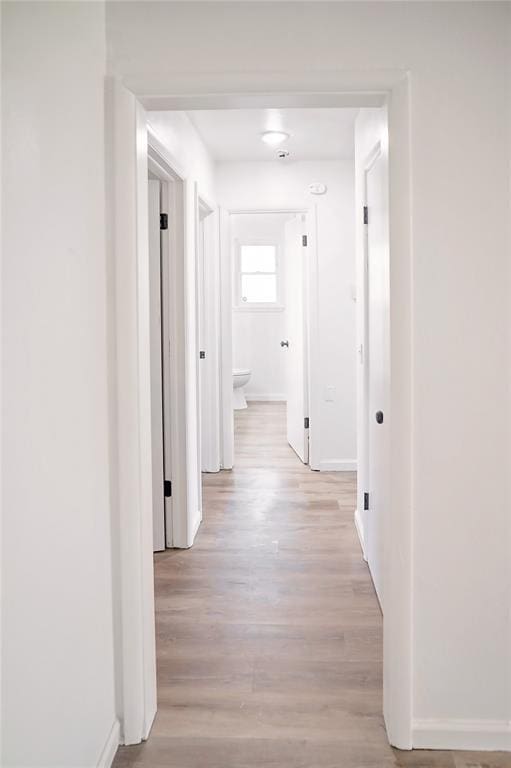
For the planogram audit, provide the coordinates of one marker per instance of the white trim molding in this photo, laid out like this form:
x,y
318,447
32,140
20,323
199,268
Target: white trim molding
x,y
265,398
259,308
337,465
112,742
176,195
194,527
135,647
360,532
484,735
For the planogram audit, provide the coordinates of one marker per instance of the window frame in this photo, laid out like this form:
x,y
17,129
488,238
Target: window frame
x,y
261,306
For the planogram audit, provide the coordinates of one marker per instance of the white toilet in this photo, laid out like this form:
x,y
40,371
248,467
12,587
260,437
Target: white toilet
x,y
240,377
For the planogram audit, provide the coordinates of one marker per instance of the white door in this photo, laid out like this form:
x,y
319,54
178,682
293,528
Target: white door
x,y
202,352
156,367
295,343
378,366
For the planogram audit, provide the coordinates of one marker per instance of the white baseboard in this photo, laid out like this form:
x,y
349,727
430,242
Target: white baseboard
x,y
337,465
484,735
194,528
108,753
360,531
265,398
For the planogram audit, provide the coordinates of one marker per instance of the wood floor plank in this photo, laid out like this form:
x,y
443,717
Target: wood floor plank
x,y
269,633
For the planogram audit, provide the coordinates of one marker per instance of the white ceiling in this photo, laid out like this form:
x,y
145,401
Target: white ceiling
x,y
315,133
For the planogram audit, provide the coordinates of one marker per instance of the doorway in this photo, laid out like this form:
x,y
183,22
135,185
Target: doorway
x,y
375,217
167,339
297,335
271,252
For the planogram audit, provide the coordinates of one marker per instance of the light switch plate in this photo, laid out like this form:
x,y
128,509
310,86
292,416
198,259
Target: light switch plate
x,y
329,394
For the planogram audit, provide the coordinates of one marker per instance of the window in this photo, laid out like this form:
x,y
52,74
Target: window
x,y
257,276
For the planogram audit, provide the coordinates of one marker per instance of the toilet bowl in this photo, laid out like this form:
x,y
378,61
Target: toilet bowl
x,y
240,377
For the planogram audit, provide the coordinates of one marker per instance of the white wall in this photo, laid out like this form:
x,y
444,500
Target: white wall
x,y
186,148
457,59
257,333
456,56
57,653
285,186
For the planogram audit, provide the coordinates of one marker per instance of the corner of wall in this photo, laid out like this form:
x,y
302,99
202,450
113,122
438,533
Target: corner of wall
x,y
111,744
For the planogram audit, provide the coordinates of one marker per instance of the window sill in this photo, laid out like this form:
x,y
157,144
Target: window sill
x,y
259,308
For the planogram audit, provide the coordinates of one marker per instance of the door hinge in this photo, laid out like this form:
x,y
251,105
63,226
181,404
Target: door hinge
x,y
366,215
304,241
366,502
306,423
167,488
202,354
164,221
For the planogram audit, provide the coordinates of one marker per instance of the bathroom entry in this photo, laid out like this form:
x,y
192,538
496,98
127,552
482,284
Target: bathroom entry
x,y
270,316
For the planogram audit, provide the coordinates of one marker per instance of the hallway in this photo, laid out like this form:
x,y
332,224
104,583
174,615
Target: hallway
x,y
268,630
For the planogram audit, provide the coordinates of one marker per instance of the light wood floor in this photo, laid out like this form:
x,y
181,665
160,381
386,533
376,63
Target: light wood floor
x,y
269,634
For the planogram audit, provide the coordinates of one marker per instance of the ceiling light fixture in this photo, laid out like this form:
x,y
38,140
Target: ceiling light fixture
x,y
274,137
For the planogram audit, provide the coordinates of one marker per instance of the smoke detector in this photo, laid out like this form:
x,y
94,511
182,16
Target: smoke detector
x,y
317,188
282,154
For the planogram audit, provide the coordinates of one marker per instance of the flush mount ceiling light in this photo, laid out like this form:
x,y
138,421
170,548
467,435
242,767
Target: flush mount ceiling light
x,y
274,137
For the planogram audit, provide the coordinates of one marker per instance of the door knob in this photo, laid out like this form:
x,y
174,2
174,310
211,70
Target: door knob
x,y
284,343
379,417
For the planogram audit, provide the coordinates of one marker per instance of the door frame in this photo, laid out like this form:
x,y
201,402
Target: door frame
x,y
172,201
311,354
133,587
131,151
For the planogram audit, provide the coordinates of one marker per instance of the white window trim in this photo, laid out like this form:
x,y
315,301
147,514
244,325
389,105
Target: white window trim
x,y
238,304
